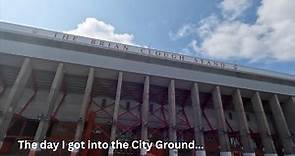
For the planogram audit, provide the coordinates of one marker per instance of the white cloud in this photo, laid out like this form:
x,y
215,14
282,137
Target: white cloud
x,y
94,28
231,9
207,25
271,37
230,40
185,30
192,45
273,12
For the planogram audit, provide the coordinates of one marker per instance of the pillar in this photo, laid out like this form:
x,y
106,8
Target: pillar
x,y
84,106
222,131
263,127
14,96
116,111
248,149
172,117
289,111
282,127
50,104
144,113
197,119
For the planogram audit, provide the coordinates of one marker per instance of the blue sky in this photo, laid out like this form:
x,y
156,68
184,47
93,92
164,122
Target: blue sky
x,y
247,32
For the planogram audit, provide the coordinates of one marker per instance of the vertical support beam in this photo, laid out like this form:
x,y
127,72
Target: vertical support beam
x,y
84,106
116,110
222,132
197,119
14,96
2,85
289,110
172,116
282,126
262,124
52,97
144,113
248,148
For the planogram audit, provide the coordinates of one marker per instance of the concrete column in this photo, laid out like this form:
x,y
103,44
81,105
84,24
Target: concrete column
x,y
116,111
14,96
84,106
172,116
144,113
197,119
50,104
282,127
289,111
248,148
222,131
263,126
2,85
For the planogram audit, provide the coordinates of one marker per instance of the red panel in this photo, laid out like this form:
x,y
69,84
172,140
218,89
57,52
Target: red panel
x,y
6,147
156,152
96,153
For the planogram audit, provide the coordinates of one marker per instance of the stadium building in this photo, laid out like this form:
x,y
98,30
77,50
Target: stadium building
x,y
57,86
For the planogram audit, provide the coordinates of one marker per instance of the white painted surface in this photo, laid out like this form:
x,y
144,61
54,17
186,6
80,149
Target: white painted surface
x,y
225,154
248,154
201,153
143,152
173,152
111,151
270,154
